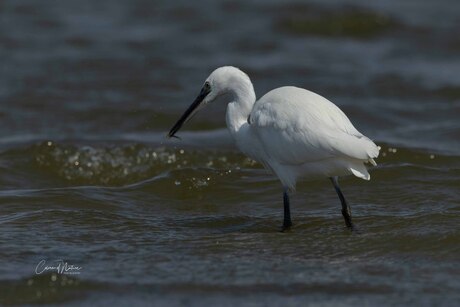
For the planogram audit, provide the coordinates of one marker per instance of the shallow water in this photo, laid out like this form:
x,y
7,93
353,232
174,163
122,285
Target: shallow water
x,y
89,89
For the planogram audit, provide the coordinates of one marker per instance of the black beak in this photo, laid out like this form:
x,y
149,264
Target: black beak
x,y
189,112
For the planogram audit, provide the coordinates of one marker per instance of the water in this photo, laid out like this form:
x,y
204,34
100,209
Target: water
x,y
89,89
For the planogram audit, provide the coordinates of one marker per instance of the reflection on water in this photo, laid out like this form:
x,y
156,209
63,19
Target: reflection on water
x,y
90,89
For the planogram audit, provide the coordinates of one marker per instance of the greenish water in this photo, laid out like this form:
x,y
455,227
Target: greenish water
x,y
89,90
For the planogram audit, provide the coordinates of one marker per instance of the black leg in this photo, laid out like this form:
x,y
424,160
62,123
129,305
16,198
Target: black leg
x,y
346,210
287,223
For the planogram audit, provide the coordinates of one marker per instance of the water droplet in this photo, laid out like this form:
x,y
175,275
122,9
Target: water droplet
x,y
53,277
49,143
177,182
181,151
431,157
76,163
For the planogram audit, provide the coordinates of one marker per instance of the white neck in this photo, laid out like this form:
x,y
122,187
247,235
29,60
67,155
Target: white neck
x,y
243,98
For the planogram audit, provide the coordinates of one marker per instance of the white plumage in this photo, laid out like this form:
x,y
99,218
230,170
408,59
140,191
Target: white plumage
x,y
305,135
293,132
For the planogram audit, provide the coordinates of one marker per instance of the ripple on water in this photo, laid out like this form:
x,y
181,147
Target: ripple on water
x,y
351,22
121,165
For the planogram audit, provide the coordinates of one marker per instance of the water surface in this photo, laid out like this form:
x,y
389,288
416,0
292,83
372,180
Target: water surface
x,y
89,89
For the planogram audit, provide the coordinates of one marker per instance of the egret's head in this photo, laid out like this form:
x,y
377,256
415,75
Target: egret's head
x,y
221,82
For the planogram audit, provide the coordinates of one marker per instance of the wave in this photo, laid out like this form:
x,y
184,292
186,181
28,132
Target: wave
x,y
133,164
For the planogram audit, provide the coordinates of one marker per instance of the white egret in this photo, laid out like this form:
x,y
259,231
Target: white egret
x,y
291,131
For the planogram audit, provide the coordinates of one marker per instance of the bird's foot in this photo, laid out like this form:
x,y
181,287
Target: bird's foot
x,y
347,217
286,227
353,229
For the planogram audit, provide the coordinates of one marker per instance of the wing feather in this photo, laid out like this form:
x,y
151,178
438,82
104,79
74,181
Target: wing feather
x,y
296,126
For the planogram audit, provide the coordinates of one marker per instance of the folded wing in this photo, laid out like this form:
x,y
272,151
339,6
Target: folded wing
x,y
296,126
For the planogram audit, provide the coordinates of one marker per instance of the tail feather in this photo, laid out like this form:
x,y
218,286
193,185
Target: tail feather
x,y
359,170
372,150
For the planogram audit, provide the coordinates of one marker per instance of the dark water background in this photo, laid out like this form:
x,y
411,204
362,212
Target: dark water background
x,y
88,90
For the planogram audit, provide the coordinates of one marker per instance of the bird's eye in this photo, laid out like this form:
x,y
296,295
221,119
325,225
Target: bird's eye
x,y
207,86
